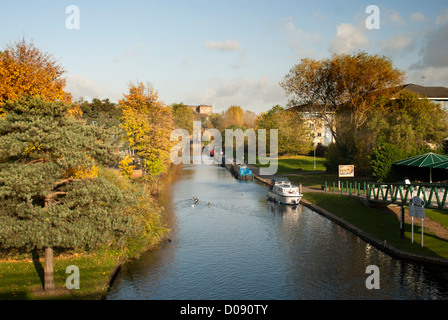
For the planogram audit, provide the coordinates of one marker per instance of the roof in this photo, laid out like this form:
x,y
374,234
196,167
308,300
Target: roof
x,y
429,92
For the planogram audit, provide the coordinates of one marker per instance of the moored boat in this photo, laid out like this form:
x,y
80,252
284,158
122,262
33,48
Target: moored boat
x,y
281,190
242,172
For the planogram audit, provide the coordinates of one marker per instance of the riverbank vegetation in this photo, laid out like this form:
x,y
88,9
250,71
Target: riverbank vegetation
x,y
373,122
79,181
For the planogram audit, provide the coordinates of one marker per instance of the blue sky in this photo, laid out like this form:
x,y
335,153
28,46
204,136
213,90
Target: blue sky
x,y
223,52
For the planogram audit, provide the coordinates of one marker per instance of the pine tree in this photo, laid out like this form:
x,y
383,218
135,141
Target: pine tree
x,y
51,194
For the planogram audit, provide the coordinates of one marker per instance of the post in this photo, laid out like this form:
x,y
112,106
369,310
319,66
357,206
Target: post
x,y
402,223
422,232
334,186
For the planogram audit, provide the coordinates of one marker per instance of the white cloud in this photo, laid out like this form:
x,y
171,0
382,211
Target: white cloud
x,y
296,40
228,45
394,17
82,87
254,95
398,43
418,17
443,18
349,38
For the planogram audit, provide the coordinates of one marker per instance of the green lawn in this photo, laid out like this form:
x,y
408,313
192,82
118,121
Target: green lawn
x,y
292,164
383,226
23,279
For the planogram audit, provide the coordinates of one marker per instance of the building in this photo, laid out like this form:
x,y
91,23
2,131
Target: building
x,y
202,109
319,128
436,94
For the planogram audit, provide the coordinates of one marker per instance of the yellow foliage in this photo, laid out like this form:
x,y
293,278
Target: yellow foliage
x,y
75,112
25,70
33,148
126,169
148,123
82,172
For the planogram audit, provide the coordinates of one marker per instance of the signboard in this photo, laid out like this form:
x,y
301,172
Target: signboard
x,y
346,171
416,208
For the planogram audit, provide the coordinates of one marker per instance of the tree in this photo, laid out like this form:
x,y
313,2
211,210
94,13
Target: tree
x,y
102,113
148,124
183,117
401,128
234,115
293,132
217,121
51,192
25,70
342,89
409,122
249,119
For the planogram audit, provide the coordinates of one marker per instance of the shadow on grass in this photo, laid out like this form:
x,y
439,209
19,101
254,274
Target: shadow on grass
x,y
381,223
38,266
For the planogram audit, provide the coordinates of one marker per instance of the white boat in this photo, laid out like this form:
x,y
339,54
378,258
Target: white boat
x,y
281,190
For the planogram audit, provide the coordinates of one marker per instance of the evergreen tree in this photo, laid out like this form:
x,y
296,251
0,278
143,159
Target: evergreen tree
x,y
51,194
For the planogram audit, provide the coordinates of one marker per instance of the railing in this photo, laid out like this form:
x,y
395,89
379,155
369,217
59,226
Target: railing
x,y
352,188
434,195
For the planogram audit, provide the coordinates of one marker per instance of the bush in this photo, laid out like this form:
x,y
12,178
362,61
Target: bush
x,y
383,156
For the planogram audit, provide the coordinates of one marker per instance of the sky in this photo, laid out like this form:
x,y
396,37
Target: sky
x,y
225,52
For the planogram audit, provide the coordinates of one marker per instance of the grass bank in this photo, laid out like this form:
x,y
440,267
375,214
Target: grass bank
x,y
22,275
22,279
384,225
297,164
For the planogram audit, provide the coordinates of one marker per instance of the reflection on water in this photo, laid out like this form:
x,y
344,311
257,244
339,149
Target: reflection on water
x,y
234,244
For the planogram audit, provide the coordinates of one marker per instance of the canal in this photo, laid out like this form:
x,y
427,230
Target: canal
x,y
234,244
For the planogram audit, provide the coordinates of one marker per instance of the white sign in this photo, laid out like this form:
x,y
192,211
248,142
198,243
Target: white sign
x,y
416,208
346,171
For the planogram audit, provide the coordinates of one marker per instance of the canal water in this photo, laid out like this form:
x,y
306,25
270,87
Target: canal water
x,y
243,247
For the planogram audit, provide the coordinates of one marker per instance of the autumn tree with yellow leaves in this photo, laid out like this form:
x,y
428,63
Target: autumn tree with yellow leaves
x,y
148,123
27,71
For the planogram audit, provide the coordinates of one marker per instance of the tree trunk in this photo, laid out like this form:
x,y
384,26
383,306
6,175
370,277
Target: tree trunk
x,y
48,271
